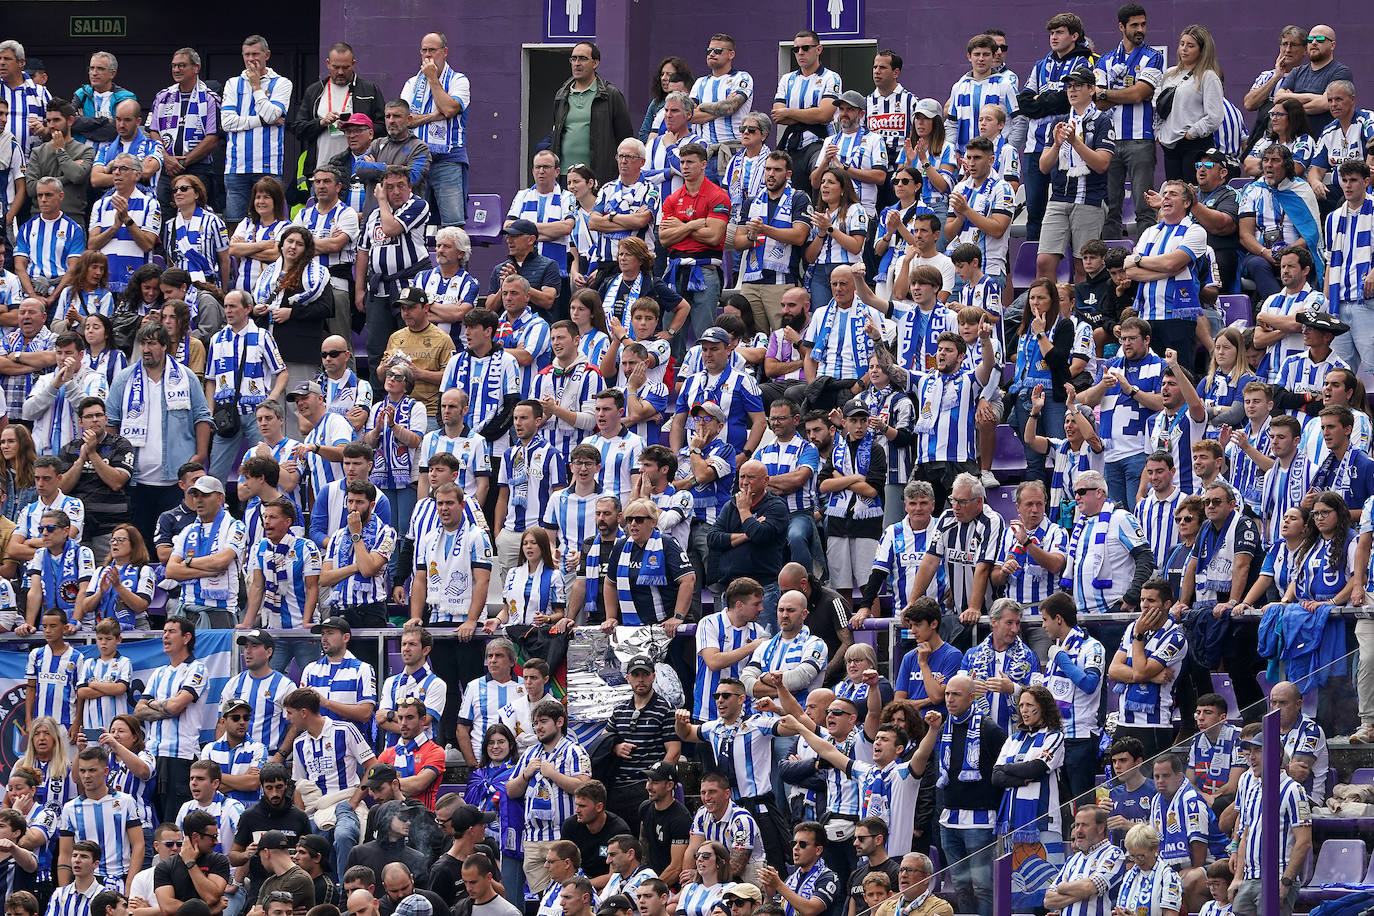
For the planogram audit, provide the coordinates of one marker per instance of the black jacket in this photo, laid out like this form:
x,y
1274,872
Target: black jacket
x,y
760,557
610,124
981,795
305,124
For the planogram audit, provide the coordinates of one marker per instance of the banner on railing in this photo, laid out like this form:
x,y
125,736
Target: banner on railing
x,y
213,647
1034,868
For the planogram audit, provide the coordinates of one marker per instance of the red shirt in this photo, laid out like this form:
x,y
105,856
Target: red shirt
x,y
711,202
427,755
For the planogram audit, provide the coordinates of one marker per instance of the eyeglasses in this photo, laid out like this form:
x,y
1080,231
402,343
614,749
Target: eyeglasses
x,y
1318,39
726,696
238,717
962,501
47,529
1322,513
711,52
627,157
1214,501
801,49
122,168
584,463
397,376
178,66
331,354
579,58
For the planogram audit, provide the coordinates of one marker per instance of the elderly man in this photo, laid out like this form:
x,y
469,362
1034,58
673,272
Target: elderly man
x,y
26,353
626,206
1088,880
967,542
1292,52
1109,556
1001,665
524,260
1342,140
185,116
1301,734
126,222
1308,83
749,536
325,106
63,157
391,252
26,97
129,138
48,245
1165,267
1187,828
913,897
550,207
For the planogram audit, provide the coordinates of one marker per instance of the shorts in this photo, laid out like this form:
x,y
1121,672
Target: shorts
x,y
851,561
1065,222
1247,902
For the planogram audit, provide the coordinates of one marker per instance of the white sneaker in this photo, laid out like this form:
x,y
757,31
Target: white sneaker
x,y
1363,735
990,480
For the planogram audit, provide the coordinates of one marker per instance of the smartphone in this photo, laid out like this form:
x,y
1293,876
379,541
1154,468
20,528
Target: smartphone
x,y
93,734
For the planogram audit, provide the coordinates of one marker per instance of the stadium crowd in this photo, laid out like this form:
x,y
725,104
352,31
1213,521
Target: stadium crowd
x,y
606,432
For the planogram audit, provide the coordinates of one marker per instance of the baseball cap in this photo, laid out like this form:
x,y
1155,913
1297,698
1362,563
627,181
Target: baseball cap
x,y
413,295
414,905
379,774
614,904
35,65
275,839
1255,740
465,817
927,108
304,388
853,99
1217,156
233,703
714,334
1082,75
640,662
742,890
663,771
333,623
854,407
207,484
279,897
711,409
358,119
261,637
521,227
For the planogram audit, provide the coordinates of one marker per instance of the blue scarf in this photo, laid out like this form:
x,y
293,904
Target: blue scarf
x,y
973,748
652,571
617,311
768,253
1019,818
1294,196
61,584
840,459
696,280
1103,526
110,605
176,390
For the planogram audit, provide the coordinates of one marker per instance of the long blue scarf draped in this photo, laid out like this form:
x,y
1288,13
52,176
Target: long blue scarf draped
x,y
60,576
973,748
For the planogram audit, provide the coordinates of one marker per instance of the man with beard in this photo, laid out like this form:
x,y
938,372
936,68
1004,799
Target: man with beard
x,y
588,589
783,361
274,811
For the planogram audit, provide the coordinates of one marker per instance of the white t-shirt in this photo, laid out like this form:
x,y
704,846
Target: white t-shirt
x,y
148,469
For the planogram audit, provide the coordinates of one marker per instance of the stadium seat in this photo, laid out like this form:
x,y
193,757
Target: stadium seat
x,y
1221,684
1127,205
1369,874
1023,268
1235,308
1008,459
1239,183
1002,500
484,218
1339,861
1362,777
1128,244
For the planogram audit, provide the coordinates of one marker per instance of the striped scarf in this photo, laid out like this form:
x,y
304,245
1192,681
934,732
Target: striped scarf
x,y
768,253
652,571
862,506
616,310
1098,547
973,748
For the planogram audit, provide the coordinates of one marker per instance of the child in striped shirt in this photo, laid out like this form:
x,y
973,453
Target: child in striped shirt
x,y
103,690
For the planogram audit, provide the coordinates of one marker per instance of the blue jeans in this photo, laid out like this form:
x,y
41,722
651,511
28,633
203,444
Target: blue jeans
x,y
1037,185
1123,480
347,832
224,452
1051,423
448,185
969,857
769,617
513,878
304,651
236,900
705,304
1357,347
402,505
1080,765
1262,272
238,193
819,287
801,534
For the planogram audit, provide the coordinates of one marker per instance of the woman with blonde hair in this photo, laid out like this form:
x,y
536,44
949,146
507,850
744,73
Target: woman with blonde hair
x,y
1227,376
46,755
1150,888
1189,104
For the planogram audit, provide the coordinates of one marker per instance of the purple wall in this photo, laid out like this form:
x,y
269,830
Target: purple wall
x,y
486,38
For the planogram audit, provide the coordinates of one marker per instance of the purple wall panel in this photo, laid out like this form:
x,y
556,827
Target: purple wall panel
x,y
486,37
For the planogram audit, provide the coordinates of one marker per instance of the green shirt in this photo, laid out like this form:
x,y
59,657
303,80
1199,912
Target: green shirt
x,y
577,129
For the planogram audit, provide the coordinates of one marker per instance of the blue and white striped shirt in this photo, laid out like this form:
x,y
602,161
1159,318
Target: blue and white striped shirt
x,y
1294,811
889,116
332,760
422,684
481,706
261,359
446,137
946,405
225,810
548,805
968,97
1103,865
1348,250
899,554
123,252
255,123
247,270
194,244
340,552
736,392
747,745
68,900
486,380
1123,419
1282,303
267,696
540,208
796,90
1168,646
1151,891
236,760
1156,517
839,345
1176,296
26,100
528,332
203,539
122,779
1033,583
711,88
530,473
624,200
1257,201
178,736
786,457
55,679
1338,145
619,462
339,218
1048,74
718,632
347,681
449,559
100,711
389,256
1122,69
49,244
573,517
575,389
1300,374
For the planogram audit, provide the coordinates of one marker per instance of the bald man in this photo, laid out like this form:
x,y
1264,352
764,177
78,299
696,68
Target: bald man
x,y
1301,735
362,903
749,538
1308,83
827,615
344,392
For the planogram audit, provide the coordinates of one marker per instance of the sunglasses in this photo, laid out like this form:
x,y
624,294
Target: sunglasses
x,y
331,354
1184,518
1001,48
637,518
238,717
1318,39
47,529
1205,163
171,844
726,696
750,130
183,187
1079,491
802,844
903,181
801,49
397,376
1214,501
711,52
840,711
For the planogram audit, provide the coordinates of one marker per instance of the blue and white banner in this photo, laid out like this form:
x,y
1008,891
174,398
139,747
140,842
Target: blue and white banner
x,y
215,648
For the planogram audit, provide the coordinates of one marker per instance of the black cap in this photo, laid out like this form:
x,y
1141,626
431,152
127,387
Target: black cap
x,y
1082,76
35,65
662,772
336,622
261,637
1319,320
614,904
521,227
465,817
379,775
640,662
1218,156
855,407
275,839
413,295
